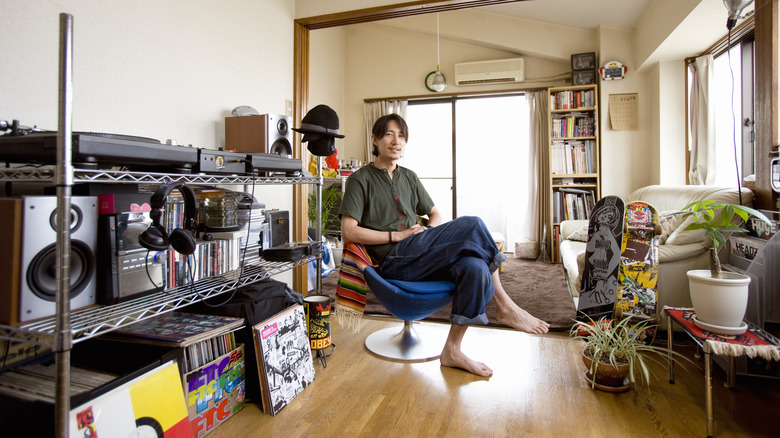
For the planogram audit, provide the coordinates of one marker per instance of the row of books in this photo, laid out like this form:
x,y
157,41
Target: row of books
x,y
556,246
570,157
211,258
572,99
574,125
570,204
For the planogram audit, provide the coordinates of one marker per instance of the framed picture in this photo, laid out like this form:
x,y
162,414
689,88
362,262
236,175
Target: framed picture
x,y
583,61
583,77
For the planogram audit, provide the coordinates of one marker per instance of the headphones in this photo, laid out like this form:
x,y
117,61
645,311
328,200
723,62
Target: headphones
x,y
182,239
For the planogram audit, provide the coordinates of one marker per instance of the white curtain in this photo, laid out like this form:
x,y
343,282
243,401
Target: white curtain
x,y
702,145
539,103
377,109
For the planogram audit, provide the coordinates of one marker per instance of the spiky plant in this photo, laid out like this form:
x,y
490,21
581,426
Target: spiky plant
x,y
617,343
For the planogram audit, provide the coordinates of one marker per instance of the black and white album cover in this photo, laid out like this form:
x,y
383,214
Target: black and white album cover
x,y
284,359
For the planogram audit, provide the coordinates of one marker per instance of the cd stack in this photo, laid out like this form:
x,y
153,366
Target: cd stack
x,y
218,210
251,216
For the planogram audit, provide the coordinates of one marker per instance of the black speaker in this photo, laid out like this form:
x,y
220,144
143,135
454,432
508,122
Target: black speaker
x,y
182,239
278,135
28,235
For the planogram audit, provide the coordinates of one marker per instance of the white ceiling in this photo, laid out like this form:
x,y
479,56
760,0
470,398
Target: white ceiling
x,y
587,14
697,31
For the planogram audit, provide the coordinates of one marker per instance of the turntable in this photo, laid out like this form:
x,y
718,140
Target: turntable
x,y
99,150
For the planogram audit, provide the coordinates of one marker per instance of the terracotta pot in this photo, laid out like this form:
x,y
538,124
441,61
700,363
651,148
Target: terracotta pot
x,y
606,374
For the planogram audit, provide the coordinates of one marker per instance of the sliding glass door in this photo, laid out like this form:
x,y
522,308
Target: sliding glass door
x,y
473,156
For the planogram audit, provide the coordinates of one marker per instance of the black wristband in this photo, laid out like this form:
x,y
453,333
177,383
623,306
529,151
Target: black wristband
x,y
390,236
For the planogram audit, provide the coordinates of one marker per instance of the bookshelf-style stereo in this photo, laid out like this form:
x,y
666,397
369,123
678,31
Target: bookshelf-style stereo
x,y
28,259
126,270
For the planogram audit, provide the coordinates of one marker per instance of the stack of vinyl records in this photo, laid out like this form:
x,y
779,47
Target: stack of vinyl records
x,y
38,382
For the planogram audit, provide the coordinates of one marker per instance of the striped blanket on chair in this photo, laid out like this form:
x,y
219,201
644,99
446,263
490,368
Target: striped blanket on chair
x,y
351,287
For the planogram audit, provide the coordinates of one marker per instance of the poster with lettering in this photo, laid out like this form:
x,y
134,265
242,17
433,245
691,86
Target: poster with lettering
x,y
215,391
284,360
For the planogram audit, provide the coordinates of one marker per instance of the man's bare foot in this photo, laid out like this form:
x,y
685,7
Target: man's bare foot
x,y
456,359
517,318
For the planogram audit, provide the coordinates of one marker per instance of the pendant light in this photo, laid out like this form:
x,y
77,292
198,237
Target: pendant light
x,y
735,8
435,80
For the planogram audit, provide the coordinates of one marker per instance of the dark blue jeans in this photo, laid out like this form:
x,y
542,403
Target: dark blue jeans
x,y
462,251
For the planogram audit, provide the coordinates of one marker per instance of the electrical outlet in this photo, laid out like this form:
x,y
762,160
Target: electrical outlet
x,y
288,107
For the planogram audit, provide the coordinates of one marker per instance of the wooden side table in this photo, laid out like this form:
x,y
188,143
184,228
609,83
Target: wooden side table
x,y
754,342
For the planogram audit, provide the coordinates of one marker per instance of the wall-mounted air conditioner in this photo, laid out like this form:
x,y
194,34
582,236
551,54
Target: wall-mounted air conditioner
x,y
490,72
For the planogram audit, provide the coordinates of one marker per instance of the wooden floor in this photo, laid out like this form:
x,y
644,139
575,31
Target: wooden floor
x,y
537,389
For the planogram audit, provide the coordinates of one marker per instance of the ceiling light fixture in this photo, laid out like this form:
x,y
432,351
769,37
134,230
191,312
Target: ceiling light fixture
x,y
735,8
435,80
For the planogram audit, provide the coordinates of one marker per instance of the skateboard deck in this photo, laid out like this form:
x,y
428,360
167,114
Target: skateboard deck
x,y
602,260
637,296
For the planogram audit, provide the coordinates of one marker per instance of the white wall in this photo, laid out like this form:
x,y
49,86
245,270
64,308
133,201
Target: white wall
x,y
671,130
386,60
327,82
163,69
171,69
653,154
627,158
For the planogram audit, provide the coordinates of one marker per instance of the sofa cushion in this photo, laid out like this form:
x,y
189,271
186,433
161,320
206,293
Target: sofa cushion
x,y
674,198
669,222
572,225
570,249
673,253
682,237
580,234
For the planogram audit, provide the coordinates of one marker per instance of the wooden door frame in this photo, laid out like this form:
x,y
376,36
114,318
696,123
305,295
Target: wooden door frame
x,y
302,29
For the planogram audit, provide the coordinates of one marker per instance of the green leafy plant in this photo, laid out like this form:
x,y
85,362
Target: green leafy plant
x,y
331,199
615,343
717,218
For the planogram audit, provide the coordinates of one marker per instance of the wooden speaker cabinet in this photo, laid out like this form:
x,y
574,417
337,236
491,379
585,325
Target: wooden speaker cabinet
x,y
268,133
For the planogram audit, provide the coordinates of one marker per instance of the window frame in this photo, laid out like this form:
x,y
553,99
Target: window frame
x,y
743,35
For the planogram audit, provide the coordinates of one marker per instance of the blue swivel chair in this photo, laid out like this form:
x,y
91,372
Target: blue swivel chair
x,y
409,301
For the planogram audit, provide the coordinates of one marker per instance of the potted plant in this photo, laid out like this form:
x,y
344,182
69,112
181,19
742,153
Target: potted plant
x,y
331,198
613,354
719,298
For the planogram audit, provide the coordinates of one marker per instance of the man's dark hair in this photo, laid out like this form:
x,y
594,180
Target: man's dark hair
x,y
380,128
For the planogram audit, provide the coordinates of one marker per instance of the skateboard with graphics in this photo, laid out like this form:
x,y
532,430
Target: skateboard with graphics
x,y
602,260
637,296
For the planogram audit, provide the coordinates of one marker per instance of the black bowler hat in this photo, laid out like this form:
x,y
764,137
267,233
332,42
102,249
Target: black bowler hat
x,y
320,120
319,127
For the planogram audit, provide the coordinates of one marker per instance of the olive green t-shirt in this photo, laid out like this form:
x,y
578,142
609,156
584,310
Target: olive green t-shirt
x,y
381,203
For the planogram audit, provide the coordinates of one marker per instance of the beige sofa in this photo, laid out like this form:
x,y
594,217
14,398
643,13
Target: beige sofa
x,y
679,251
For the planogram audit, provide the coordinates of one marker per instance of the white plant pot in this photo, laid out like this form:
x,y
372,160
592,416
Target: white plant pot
x,y
719,301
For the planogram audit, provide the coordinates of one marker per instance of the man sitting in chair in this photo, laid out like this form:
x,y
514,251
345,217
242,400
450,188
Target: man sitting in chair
x,y
380,210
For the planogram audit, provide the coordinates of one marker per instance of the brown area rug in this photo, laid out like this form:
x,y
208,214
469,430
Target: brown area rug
x,y
540,288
